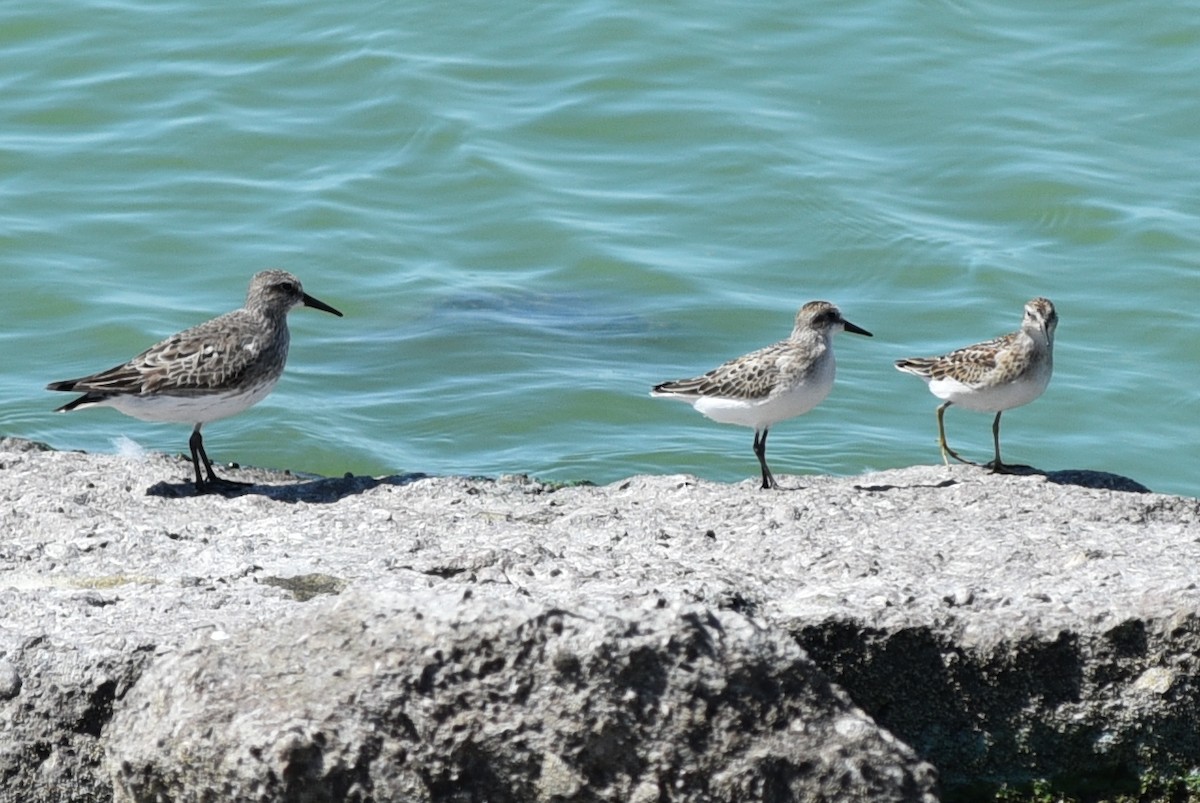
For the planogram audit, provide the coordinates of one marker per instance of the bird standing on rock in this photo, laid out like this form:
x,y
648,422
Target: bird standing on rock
x,y
992,376
211,371
772,384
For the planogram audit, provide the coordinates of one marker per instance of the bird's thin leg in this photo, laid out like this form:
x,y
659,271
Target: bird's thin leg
x,y
760,451
947,452
997,466
196,443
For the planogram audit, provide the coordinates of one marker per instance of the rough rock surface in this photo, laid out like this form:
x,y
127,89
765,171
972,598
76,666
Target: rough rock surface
x,y
436,696
661,638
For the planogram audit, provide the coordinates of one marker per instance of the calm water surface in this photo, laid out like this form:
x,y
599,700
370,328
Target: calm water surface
x,y
531,216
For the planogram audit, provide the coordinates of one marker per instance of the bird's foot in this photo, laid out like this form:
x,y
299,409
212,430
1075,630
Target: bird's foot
x,y
768,481
220,485
947,453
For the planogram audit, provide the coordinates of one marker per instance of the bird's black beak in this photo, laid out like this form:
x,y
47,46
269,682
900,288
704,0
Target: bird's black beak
x,y
858,330
309,301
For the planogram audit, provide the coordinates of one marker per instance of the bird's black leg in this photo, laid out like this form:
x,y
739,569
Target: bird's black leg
x,y
213,482
760,451
997,466
196,444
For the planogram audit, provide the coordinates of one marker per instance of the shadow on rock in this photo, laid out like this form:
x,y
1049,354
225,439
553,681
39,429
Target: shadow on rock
x,y
1008,713
1084,478
321,490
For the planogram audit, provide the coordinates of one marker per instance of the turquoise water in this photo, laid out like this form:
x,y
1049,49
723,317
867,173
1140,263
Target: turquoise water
x,y
530,215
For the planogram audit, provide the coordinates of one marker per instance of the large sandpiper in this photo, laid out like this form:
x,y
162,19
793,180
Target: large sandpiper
x,y
211,371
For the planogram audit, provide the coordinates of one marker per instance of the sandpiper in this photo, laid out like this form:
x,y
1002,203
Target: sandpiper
x,y
771,384
211,371
992,376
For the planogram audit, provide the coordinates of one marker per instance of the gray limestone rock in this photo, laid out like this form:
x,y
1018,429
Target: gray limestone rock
x,y
1001,628
485,696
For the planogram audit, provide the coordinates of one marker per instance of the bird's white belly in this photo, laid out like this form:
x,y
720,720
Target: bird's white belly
x,y
198,409
760,413
990,399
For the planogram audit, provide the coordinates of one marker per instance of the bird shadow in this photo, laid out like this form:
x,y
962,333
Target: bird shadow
x,y
316,490
1083,478
888,487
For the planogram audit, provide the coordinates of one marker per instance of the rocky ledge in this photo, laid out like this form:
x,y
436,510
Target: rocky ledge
x,y
918,634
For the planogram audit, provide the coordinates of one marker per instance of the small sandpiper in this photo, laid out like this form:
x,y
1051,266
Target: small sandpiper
x,y
211,371
772,384
992,376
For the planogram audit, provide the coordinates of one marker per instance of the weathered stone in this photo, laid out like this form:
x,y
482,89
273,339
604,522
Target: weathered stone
x,y
1003,627
428,696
